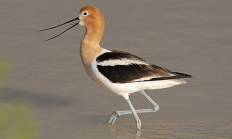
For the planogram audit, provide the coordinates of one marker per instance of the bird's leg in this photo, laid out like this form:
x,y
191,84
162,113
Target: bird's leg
x,y
137,120
155,106
116,114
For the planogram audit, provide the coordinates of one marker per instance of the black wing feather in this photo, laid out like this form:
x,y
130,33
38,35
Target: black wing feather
x,y
129,73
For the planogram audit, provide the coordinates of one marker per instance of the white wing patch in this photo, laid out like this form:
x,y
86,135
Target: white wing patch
x,y
122,61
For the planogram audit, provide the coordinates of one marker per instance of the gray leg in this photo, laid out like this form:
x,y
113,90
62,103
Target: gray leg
x,y
137,120
155,106
116,114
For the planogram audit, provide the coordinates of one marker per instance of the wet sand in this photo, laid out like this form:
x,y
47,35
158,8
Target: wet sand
x,y
193,37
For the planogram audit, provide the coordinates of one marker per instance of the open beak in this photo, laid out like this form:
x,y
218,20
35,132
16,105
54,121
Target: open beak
x,y
77,18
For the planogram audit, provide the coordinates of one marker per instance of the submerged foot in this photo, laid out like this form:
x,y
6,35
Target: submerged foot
x,y
113,117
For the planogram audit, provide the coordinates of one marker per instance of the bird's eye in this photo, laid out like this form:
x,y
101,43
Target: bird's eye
x,y
85,13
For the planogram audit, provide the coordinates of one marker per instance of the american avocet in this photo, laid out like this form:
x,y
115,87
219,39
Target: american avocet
x,y
120,72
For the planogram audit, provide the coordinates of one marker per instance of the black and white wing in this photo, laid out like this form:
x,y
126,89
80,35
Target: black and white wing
x,y
123,67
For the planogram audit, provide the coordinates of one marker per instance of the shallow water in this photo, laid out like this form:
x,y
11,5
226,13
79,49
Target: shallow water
x,y
155,129
192,37
169,129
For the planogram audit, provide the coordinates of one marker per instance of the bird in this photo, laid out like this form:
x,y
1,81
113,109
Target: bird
x,y
120,72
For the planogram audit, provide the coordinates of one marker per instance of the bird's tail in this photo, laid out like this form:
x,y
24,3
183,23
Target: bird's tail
x,y
182,75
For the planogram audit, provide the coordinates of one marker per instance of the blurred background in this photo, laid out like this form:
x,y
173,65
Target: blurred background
x,y
45,92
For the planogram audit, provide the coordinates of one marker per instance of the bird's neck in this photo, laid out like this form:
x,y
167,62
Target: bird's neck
x,y
90,46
